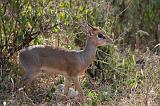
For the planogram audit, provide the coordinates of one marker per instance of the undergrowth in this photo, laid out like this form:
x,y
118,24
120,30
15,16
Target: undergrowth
x,y
129,79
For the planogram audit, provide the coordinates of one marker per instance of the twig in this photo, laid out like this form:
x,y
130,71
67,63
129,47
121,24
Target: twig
x,y
29,38
125,8
1,69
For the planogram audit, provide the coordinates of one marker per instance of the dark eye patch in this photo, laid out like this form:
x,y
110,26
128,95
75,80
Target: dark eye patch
x,y
101,36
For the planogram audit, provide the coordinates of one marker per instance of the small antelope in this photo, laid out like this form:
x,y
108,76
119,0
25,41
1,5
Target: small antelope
x,y
70,64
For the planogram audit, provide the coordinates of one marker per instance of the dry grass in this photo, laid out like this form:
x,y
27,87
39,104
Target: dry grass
x,y
146,92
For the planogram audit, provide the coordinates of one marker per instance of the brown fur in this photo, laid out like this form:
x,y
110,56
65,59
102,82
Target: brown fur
x,y
51,60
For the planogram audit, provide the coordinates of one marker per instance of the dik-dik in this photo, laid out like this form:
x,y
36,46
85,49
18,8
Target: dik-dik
x,y
69,63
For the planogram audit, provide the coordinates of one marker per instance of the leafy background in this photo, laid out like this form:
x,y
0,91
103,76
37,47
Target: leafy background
x,y
126,72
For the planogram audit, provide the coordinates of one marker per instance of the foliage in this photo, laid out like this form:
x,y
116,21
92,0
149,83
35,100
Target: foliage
x,y
124,69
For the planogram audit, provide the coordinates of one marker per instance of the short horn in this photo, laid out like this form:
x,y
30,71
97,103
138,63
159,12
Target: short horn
x,y
90,26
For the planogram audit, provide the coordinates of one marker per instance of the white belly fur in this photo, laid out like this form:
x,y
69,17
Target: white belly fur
x,y
52,70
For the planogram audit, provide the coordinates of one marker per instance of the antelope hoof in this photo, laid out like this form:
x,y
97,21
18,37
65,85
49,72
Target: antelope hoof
x,y
81,96
64,98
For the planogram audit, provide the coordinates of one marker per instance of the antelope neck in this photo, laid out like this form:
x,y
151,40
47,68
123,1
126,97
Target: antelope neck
x,y
88,54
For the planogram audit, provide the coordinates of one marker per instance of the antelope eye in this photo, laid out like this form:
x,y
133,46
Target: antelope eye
x,y
101,36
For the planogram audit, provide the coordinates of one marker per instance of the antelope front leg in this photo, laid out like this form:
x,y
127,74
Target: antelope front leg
x,y
66,85
79,88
